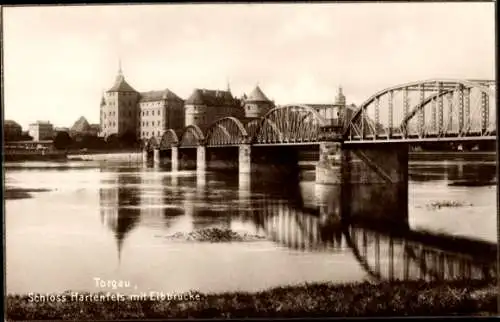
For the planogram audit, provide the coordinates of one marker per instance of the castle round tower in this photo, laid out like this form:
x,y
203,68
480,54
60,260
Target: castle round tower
x,y
257,104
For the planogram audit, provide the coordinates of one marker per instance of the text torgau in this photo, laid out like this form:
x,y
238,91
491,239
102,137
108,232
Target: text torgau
x,y
114,284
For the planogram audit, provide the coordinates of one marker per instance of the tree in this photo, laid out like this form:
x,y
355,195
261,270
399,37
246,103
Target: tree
x,y
128,140
112,141
62,141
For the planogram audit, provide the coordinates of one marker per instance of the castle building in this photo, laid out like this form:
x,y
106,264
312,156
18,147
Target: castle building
x,y
158,112
119,108
125,110
205,106
256,104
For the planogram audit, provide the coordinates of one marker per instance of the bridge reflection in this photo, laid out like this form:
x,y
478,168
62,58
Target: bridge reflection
x,y
294,215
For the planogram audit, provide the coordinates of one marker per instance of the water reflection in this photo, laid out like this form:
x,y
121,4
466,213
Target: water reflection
x,y
119,207
288,217
452,171
126,212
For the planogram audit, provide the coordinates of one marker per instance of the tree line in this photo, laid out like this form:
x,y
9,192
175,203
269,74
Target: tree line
x,y
65,141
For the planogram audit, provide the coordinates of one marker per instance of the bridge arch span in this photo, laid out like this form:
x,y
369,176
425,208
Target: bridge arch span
x,y
435,108
192,136
151,144
252,126
289,124
226,131
169,139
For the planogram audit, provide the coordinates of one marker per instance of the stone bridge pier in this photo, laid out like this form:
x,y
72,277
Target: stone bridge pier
x,y
373,180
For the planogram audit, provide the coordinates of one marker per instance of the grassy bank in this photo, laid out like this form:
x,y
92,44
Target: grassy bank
x,y
313,300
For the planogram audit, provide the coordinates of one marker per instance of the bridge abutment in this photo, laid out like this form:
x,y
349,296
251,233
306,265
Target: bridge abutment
x,y
329,166
372,180
156,156
145,156
174,156
201,161
375,183
244,159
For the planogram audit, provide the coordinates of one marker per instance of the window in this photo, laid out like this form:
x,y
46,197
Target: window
x,y
158,133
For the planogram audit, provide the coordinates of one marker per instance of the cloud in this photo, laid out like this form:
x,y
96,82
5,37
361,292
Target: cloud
x,y
57,65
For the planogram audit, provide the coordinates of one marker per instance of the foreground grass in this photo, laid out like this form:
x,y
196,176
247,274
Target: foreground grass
x,y
312,300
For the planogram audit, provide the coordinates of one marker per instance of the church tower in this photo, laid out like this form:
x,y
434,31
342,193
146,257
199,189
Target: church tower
x,y
340,106
120,109
340,99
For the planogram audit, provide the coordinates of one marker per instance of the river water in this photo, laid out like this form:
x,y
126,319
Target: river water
x,y
113,222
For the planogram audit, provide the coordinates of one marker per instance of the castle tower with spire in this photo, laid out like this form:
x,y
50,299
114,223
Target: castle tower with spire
x,y
119,108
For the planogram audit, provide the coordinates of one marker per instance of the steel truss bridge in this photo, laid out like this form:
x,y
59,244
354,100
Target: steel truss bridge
x,y
423,111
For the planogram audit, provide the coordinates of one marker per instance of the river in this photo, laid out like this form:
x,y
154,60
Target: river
x,y
113,222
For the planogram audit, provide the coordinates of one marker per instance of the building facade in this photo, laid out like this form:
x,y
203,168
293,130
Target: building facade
x,y
205,106
158,112
12,130
119,110
41,130
125,110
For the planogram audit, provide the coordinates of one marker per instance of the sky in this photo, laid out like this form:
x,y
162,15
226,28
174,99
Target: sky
x,y
58,60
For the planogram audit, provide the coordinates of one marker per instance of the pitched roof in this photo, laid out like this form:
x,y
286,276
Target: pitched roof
x,y
121,85
210,97
81,125
165,94
257,96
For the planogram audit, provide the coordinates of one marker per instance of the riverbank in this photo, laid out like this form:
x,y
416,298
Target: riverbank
x,y
411,298
34,156
135,156
452,156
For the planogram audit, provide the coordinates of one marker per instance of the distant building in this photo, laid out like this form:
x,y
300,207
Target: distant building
x,y
41,130
256,104
337,112
158,112
205,106
61,129
82,127
12,130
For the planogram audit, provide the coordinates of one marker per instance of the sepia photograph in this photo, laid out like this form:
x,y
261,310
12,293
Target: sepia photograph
x,y
249,160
